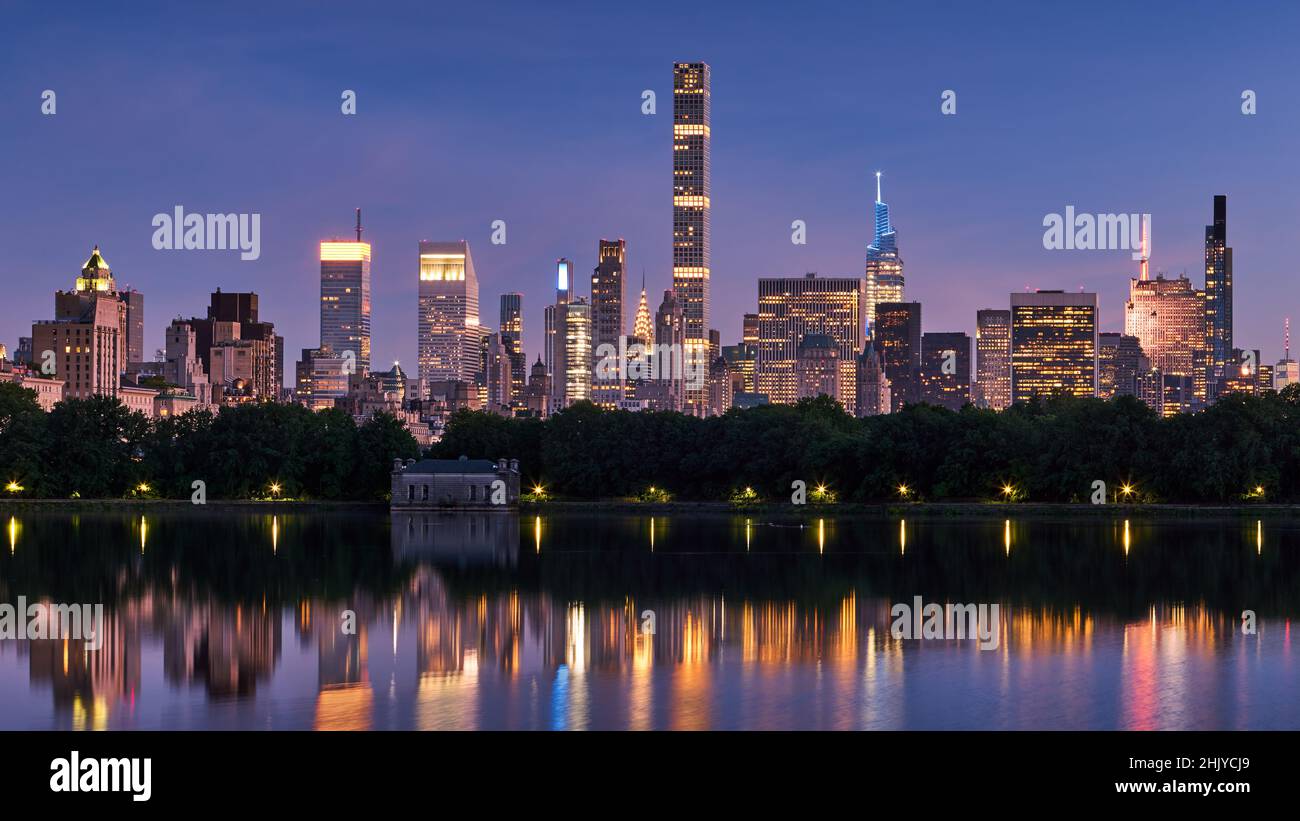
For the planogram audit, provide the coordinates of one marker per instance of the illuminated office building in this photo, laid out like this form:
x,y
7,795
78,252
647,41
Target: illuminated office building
x,y
992,388
320,377
945,369
1053,344
554,317
345,298
1120,361
691,140
1168,318
884,272
898,338
577,351
608,295
449,340
790,308
1218,297
512,336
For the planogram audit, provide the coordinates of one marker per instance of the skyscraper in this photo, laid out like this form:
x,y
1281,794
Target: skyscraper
x,y
448,341
1218,296
577,351
84,342
945,369
1120,362
345,298
665,391
512,336
1053,344
691,209
790,308
608,296
643,327
1168,318
320,377
134,328
555,317
897,336
992,359
884,265
498,372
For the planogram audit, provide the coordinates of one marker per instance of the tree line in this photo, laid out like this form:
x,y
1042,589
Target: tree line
x,y
1243,448
97,448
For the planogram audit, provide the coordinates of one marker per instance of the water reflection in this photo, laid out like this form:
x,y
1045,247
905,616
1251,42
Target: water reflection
x,y
436,621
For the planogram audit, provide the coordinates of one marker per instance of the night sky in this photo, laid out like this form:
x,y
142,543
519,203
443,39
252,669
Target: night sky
x,y
530,113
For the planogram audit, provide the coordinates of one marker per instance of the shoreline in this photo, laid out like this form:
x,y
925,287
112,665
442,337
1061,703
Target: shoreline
x,y
628,506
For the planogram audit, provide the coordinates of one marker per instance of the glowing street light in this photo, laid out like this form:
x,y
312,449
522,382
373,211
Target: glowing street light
x,y
143,487
904,490
1127,489
275,488
14,487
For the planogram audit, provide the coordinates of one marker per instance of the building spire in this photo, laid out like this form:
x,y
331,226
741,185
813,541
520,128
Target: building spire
x,y
878,186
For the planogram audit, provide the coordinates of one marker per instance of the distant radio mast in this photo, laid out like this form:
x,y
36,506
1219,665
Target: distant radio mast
x,y
358,225
1146,254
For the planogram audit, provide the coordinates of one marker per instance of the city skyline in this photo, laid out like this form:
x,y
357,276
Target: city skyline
x,y
760,183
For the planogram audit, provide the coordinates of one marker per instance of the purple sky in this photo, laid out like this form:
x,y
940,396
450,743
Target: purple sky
x,y
530,113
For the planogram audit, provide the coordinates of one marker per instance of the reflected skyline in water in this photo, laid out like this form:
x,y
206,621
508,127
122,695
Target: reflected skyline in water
x,y
487,621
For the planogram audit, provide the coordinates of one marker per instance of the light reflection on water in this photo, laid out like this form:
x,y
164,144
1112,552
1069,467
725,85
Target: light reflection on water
x,y
476,622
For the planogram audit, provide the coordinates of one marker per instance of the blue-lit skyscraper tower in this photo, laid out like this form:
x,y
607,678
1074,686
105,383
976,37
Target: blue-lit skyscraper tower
x,y
884,271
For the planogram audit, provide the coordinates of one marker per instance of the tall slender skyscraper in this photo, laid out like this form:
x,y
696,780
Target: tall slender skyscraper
x,y
691,210
608,296
345,298
449,339
992,358
577,351
134,330
1218,296
556,317
512,336
884,265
